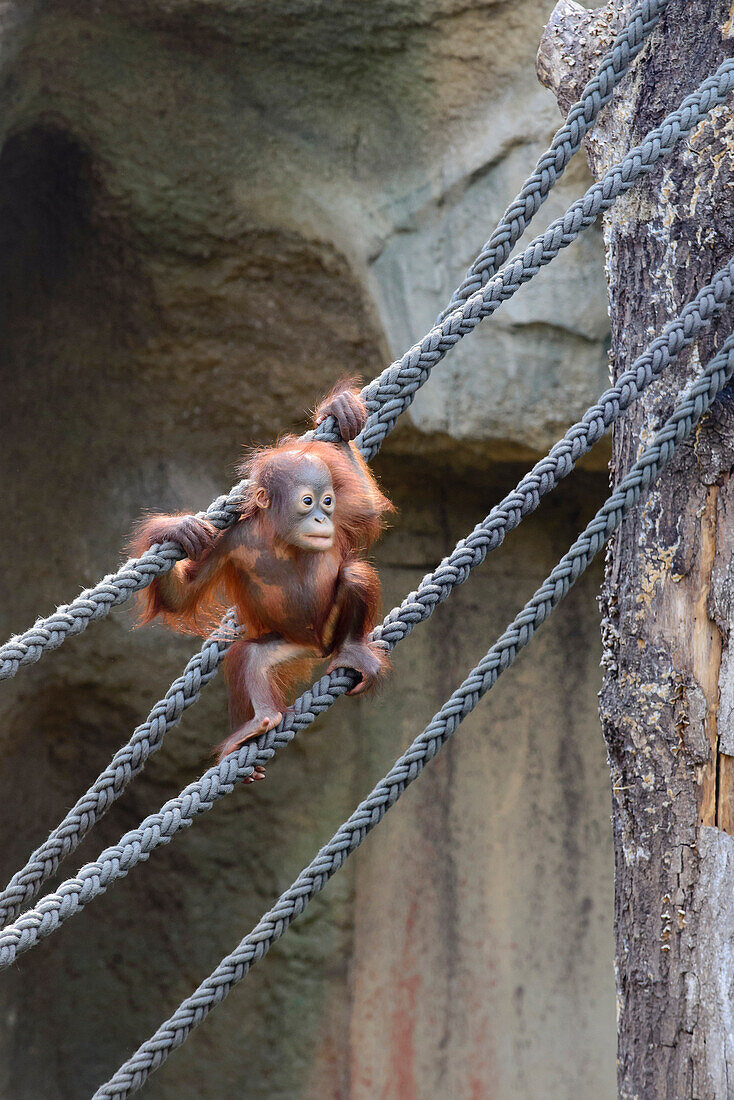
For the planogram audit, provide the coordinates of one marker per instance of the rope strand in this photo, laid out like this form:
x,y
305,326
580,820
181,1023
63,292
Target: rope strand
x,y
566,143
417,606
389,395
233,968
178,813
127,762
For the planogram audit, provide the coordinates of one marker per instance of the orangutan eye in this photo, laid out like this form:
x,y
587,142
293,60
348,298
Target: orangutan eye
x,y
328,501
307,501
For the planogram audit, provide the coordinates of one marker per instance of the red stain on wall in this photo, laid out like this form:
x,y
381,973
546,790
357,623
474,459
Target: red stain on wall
x,y
408,981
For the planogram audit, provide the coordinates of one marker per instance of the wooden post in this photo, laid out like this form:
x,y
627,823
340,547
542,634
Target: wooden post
x,y
667,703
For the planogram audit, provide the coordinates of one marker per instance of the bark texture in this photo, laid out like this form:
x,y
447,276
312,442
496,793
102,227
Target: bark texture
x,y
666,703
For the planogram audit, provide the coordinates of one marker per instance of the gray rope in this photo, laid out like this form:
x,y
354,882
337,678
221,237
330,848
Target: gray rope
x,y
176,814
393,391
396,387
94,603
560,460
127,762
709,92
233,968
566,143
416,607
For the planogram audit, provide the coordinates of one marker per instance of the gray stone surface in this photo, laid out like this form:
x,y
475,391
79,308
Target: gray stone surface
x,y
209,212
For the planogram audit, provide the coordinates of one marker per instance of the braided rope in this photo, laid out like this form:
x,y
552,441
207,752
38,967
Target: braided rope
x,y
415,608
94,603
127,762
176,814
488,535
389,395
565,144
396,387
225,510
233,968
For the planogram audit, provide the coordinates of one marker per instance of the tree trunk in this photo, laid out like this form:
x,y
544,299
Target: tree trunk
x,y
667,703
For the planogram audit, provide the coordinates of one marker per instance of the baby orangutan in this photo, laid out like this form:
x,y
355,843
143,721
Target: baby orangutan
x,y
291,565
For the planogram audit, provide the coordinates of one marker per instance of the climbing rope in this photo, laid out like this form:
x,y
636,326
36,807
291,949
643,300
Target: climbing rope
x,y
127,762
565,144
115,862
487,536
157,829
393,391
389,395
232,969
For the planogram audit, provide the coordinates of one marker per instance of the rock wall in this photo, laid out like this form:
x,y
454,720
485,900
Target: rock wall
x,y
208,212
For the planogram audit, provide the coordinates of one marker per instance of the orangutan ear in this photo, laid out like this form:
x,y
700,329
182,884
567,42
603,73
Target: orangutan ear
x,y
261,498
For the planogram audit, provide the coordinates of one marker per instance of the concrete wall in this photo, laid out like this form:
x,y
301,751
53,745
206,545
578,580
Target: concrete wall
x,y
208,212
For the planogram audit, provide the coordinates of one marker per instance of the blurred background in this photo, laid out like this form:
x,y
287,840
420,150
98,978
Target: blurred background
x,y
210,211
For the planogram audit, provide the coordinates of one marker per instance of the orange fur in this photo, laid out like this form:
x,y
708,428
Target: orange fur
x,y
296,606
151,604
359,510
